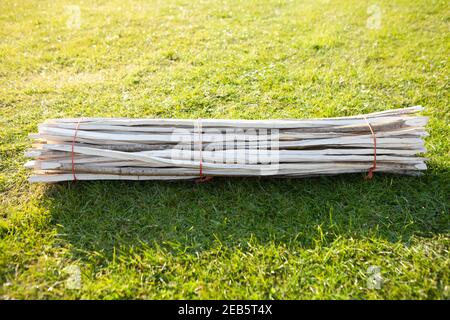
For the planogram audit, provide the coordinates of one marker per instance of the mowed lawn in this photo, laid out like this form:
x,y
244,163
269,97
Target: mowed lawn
x,y
231,238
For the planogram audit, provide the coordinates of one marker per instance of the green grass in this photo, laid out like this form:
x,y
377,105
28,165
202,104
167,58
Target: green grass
x,y
232,238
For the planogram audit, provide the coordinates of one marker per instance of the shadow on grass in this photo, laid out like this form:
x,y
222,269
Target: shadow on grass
x,y
98,216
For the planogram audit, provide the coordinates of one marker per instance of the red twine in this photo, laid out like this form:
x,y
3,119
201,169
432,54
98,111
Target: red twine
x,y
200,141
374,165
73,147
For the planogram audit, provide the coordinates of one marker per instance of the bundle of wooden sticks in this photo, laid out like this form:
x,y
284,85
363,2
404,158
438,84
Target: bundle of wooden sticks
x,y
172,149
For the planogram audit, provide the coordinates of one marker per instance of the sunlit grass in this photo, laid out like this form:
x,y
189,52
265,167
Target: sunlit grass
x,y
231,238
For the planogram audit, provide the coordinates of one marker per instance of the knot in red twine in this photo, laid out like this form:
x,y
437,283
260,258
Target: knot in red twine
x,y
374,165
202,178
73,152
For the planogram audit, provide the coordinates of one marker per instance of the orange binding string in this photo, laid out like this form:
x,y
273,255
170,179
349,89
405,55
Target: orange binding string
x,y
200,142
374,165
73,147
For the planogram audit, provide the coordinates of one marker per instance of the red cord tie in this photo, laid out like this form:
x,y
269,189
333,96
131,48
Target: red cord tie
x,y
200,142
374,165
73,152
